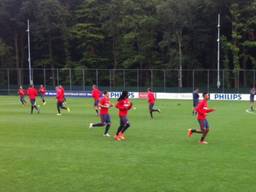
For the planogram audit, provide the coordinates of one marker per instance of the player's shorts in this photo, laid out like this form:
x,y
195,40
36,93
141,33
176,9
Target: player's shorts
x,y
60,103
251,98
33,102
105,118
195,103
203,124
124,121
96,103
151,106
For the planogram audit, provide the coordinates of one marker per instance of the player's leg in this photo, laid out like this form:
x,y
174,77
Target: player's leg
x,y
35,106
150,108
101,124
108,124
117,138
205,131
32,107
58,107
200,131
96,102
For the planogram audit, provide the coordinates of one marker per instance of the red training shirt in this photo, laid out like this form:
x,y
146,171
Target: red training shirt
x,y
202,110
124,106
42,90
32,93
60,95
105,104
151,97
96,94
22,92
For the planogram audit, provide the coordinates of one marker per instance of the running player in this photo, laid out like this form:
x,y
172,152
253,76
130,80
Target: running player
x,y
252,94
124,105
60,96
151,102
32,93
22,93
195,100
104,106
202,110
96,96
42,91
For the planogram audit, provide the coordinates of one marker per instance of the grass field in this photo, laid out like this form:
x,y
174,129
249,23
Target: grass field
x,y
48,153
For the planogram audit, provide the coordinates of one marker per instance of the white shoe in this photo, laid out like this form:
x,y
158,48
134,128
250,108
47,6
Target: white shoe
x,y
91,125
107,135
68,109
58,114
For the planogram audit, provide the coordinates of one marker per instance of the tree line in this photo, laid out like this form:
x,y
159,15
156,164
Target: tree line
x,y
152,34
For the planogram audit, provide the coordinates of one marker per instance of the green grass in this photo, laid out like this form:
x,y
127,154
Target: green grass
x,y
46,153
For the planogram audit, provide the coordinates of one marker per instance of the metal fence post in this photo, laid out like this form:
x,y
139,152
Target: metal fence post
x,y
193,79
138,80
223,80
97,77
253,77
164,80
57,70
208,80
152,79
44,77
70,80
8,81
124,79
83,80
110,79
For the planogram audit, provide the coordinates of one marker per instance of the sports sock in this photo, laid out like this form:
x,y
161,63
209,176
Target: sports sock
x,y
125,128
119,129
98,124
32,109
151,114
107,129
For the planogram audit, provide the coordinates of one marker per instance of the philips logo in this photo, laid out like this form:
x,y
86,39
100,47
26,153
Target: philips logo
x,y
118,94
227,97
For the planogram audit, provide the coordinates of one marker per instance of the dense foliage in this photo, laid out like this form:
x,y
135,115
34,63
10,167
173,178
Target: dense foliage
x,y
128,33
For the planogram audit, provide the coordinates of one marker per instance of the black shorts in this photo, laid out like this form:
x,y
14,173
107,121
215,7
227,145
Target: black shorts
x,y
33,102
251,98
124,121
105,118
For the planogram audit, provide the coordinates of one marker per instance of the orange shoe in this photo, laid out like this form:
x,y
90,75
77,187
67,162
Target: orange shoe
x,y
117,138
203,142
121,136
190,133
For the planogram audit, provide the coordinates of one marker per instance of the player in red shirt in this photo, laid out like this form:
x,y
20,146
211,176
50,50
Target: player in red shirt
x,y
32,93
60,96
104,106
123,105
42,91
22,93
151,102
202,111
96,93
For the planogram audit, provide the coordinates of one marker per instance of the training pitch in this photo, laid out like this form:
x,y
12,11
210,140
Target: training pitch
x,y
49,153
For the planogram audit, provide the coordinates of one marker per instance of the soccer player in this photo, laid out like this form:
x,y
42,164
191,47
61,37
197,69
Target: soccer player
x,y
96,96
123,105
42,91
202,110
104,106
22,93
252,94
60,96
195,100
151,102
32,93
